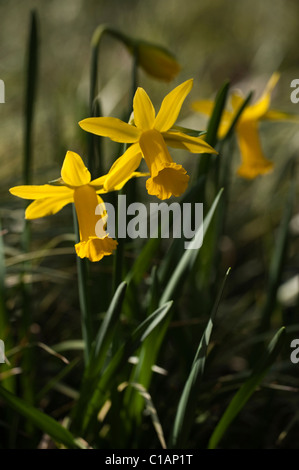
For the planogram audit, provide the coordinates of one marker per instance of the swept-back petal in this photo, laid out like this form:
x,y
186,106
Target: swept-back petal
x,y
171,106
183,141
236,100
46,206
207,107
73,171
98,183
123,168
203,106
144,111
114,128
41,192
258,109
274,115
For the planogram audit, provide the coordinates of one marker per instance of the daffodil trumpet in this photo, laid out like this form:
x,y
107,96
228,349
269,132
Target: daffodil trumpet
x,y
150,136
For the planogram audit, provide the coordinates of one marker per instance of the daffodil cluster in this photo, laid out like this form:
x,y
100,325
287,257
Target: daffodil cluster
x,y
149,135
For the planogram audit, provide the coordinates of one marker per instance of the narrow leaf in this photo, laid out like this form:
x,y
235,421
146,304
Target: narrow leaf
x,y
107,380
247,389
44,422
187,260
187,405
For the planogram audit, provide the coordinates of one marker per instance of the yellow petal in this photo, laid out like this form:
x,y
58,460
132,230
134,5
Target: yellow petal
x,y
46,206
96,248
144,112
123,168
98,183
274,115
171,180
203,106
40,192
254,162
73,171
236,101
171,106
114,128
183,141
258,109
207,107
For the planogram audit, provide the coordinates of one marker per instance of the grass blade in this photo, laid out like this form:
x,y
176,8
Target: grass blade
x,y
278,258
107,380
30,96
212,130
44,422
248,388
187,260
186,408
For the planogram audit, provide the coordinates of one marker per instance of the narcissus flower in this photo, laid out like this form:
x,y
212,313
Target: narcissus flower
x,y
75,186
254,162
150,135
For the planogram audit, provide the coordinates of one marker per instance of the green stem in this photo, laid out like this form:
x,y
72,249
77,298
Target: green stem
x,y
27,378
86,320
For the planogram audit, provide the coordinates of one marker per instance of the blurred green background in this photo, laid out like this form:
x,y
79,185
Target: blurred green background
x,y
241,41
213,40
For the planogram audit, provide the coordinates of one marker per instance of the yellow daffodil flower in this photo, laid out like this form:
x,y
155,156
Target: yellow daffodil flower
x,y
75,186
150,135
254,162
156,61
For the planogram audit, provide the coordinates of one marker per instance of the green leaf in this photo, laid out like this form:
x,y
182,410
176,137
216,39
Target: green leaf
x,y
237,116
143,260
247,389
187,405
99,352
176,249
213,125
105,333
186,262
142,372
151,410
44,422
215,119
30,96
107,380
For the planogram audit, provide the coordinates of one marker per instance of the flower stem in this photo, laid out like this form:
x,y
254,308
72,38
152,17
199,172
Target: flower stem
x,y
86,320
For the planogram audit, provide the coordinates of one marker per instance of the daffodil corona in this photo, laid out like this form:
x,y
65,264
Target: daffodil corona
x,y
150,134
75,186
